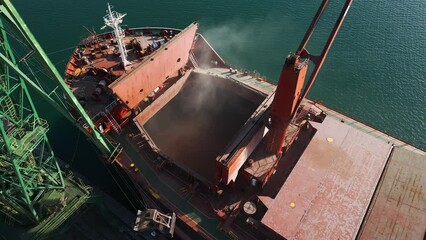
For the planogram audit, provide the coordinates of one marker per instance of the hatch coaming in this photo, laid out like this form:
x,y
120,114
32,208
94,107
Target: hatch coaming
x,y
192,122
136,85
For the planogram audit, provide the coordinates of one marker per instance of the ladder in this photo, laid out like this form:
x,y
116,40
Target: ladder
x,y
108,115
193,59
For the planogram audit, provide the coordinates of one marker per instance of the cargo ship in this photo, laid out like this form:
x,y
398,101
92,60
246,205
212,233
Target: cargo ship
x,y
40,197
226,154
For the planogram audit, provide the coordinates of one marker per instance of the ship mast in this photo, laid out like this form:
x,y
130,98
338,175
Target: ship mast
x,y
113,20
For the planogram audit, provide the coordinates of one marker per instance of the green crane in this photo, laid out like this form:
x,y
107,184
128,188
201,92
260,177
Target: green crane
x,y
33,189
28,167
109,149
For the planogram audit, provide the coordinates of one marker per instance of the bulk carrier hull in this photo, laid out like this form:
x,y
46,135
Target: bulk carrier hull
x,y
193,131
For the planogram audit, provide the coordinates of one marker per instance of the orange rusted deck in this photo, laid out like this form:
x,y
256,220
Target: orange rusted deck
x,y
329,190
399,209
96,76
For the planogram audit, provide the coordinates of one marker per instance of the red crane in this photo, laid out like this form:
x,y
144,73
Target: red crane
x,y
290,91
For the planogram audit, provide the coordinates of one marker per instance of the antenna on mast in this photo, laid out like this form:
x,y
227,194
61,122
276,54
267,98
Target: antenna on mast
x,y
113,20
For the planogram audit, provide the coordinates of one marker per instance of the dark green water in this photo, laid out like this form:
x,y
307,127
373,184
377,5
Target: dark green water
x,y
375,71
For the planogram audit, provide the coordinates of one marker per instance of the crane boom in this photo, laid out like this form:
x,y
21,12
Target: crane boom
x,y
290,91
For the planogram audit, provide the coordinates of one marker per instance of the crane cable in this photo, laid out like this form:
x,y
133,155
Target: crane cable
x,y
75,149
129,186
143,203
61,50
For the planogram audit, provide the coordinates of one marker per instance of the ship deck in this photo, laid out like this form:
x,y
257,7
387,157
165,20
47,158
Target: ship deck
x,y
334,178
171,190
399,207
331,169
94,61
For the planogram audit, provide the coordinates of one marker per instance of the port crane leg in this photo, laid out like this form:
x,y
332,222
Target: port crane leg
x,y
28,167
108,148
290,91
